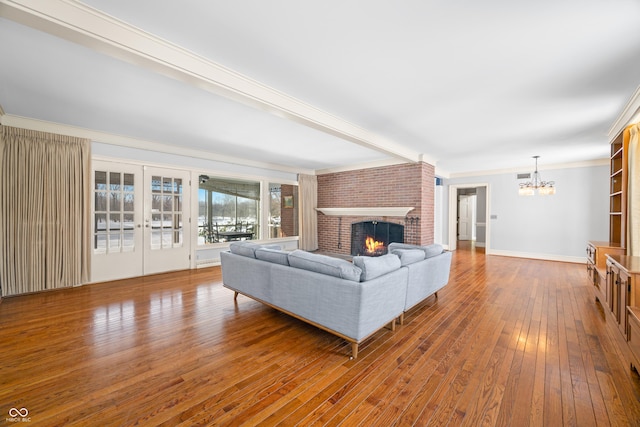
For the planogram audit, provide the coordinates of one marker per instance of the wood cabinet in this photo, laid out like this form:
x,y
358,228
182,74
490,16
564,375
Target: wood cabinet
x,y
633,336
623,280
597,267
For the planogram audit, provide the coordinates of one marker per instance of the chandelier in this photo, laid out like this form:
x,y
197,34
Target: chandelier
x,y
544,187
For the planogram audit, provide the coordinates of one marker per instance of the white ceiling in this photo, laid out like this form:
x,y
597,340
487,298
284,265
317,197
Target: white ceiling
x,y
469,85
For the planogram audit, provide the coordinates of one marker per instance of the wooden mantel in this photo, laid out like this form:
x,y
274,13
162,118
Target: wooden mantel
x,y
372,211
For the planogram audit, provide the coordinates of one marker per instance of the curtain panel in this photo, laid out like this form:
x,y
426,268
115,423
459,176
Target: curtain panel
x,y
44,211
633,192
308,187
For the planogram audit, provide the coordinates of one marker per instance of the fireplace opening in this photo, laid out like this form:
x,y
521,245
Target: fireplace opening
x,y
371,238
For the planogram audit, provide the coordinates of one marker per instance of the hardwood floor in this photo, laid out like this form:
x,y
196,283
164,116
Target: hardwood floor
x,y
509,342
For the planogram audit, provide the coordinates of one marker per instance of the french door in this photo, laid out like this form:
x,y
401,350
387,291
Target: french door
x,y
140,221
166,220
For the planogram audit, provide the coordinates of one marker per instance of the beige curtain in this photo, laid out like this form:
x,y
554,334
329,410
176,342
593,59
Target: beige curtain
x,y
44,211
308,185
633,202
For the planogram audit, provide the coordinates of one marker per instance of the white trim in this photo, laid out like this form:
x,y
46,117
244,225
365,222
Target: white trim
x,y
213,172
630,114
373,211
583,164
82,24
544,257
125,141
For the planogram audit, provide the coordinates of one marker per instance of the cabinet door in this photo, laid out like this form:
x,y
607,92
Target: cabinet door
x,y
623,280
610,287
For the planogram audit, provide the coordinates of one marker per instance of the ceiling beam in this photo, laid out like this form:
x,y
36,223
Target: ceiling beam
x,y
79,23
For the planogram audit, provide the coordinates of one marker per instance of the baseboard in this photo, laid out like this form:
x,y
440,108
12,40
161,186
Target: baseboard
x,y
545,257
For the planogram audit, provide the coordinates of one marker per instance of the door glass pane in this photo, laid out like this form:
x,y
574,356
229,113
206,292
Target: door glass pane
x,y
113,195
155,184
156,239
166,221
166,239
100,243
166,208
101,181
128,182
156,203
100,222
128,205
100,203
114,242
167,203
127,222
114,181
115,201
128,242
167,185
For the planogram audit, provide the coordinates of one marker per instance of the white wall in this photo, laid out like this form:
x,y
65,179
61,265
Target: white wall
x,y
547,227
189,163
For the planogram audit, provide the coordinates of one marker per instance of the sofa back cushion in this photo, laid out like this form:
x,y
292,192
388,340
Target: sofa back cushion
x,y
433,250
409,256
429,251
248,249
324,264
373,267
277,256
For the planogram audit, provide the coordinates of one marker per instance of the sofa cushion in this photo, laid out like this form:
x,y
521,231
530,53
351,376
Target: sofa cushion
x,y
429,251
244,248
248,249
373,267
324,264
277,256
432,250
409,256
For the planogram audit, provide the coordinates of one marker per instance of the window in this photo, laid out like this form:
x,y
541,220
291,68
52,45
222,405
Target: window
x,y
227,210
283,210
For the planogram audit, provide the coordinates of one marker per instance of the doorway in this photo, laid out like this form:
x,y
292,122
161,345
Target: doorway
x,y
468,227
141,218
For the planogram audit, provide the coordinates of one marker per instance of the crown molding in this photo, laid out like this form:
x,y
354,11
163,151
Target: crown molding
x,y
82,24
141,144
583,164
630,114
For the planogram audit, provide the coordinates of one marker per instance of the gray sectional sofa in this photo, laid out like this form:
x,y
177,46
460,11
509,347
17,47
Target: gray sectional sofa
x,y
349,299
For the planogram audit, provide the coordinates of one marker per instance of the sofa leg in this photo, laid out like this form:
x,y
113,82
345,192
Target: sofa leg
x,y
235,295
436,294
354,350
393,325
402,319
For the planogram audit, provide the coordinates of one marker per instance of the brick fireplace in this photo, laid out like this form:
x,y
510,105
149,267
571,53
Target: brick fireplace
x,y
404,185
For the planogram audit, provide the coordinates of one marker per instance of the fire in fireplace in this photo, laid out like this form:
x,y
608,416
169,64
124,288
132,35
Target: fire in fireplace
x,y
371,238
